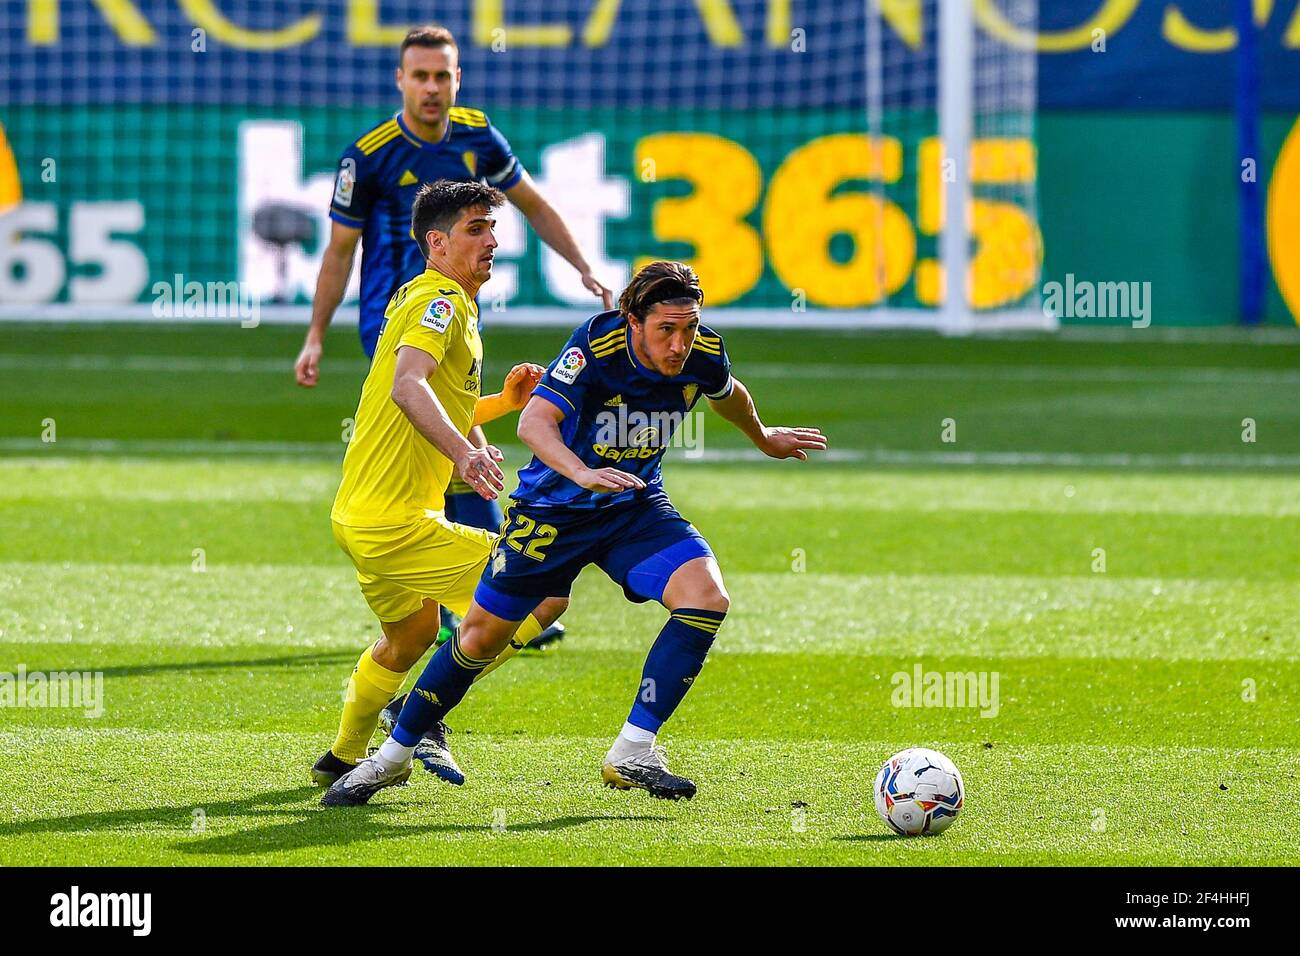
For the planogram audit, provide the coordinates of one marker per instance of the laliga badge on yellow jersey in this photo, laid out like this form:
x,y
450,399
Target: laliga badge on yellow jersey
x,y
438,315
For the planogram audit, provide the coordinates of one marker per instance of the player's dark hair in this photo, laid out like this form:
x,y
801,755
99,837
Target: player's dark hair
x,y
430,35
670,283
439,204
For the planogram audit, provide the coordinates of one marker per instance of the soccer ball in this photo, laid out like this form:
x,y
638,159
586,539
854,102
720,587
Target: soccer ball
x,y
919,791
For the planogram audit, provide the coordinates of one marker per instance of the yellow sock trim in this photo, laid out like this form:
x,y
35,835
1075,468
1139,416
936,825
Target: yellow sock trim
x,y
528,630
699,623
463,660
370,688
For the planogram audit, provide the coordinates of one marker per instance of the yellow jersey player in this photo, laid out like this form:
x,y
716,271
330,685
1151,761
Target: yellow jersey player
x,y
594,494
428,139
417,405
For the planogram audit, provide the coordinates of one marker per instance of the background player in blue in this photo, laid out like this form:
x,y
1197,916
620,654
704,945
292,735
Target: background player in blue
x,y
429,139
598,424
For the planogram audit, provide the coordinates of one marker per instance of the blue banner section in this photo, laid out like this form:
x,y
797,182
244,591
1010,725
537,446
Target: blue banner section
x,y
562,54
684,54
1163,54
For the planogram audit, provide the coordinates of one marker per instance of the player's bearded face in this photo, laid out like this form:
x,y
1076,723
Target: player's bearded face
x,y
472,244
429,79
664,339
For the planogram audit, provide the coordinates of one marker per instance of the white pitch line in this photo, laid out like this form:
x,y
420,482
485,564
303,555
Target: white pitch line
x,y
877,456
144,446
883,456
1018,326
1180,334
793,370
1022,373
164,363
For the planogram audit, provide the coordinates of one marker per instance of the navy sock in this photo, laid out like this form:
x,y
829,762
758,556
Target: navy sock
x,y
466,507
672,665
441,686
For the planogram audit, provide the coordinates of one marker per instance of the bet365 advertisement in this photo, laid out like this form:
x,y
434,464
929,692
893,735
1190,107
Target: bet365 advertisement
x,y
143,136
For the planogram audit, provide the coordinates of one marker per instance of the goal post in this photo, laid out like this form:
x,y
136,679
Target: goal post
x,y
963,101
956,133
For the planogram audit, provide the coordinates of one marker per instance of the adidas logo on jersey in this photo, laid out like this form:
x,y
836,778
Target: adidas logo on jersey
x,y
408,179
615,401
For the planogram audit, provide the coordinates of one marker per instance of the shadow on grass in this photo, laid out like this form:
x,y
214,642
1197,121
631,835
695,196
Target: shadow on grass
x,y
332,829
300,824
176,817
320,658
866,838
287,660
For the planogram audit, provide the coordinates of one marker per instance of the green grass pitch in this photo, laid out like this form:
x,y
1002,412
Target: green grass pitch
x,y
174,537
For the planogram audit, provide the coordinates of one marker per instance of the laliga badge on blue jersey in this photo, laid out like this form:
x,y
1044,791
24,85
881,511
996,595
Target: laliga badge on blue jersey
x,y
346,182
438,315
570,364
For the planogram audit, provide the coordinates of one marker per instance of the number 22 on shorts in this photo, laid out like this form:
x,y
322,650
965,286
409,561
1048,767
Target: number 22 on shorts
x,y
527,536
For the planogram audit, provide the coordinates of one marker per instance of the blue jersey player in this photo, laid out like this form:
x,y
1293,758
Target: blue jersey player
x,y
598,424
378,177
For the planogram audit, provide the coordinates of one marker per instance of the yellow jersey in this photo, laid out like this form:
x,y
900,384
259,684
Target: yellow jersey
x,y
391,473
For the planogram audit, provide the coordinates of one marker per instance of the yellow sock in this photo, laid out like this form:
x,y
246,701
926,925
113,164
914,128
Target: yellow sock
x,y
528,630
369,690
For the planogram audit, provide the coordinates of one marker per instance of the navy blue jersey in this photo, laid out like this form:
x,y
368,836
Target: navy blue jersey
x,y
618,412
377,180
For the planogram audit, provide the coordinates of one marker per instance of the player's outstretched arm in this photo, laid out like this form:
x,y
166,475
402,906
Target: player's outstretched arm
x,y
331,283
548,224
411,393
775,441
539,429
519,384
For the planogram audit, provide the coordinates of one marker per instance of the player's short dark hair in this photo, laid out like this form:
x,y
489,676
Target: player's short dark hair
x,y
439,204
430,35
672,283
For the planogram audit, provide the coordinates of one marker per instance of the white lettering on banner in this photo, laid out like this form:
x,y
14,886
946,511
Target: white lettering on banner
x,y
573,180
270,170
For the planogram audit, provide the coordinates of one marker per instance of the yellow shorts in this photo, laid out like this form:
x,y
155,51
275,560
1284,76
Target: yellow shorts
x,y
433,558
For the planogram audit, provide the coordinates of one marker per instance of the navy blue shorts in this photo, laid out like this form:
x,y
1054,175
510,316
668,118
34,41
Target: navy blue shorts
x,y
542,550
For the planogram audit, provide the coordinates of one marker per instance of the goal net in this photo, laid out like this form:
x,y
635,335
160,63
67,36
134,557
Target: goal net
x,y
801,154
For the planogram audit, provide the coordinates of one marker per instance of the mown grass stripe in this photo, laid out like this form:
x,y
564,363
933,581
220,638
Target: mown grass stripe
x,y
879,456
882,372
